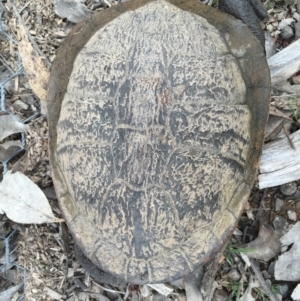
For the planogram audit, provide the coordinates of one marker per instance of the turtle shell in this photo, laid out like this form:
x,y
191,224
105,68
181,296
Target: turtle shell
x,y
157,111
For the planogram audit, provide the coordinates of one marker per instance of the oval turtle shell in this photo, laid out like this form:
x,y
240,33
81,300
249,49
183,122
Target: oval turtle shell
x,y
157,112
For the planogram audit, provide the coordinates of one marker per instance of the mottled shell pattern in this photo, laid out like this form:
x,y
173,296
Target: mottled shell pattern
x,y
159,114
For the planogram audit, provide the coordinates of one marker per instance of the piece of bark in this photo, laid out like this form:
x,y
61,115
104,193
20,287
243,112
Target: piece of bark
x,y
285,63
280,162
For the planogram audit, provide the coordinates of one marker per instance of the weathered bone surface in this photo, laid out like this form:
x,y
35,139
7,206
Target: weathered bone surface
x,y
157,141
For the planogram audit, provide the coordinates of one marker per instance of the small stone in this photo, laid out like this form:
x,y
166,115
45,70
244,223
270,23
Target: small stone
x,y
288,189
270,28
28,99
278,204
297,194
234,275
20,104
287,32
281,225
87,280
281,15
272,19
70,273
266,274
50,193
33,108
296,16
34,290
145,291
275,33
292,215
296,80
220,295
296,293
271,269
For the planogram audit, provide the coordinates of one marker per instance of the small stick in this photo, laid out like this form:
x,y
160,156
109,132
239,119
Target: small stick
x,y
262,281
288,137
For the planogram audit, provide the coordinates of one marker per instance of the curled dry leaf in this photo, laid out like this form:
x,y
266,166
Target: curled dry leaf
x,y
9,125
9,148
266,246
73,10
36,71
23,201
287,267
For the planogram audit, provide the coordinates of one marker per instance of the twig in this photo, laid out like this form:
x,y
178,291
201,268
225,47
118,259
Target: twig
x,y
34,44
262,281
109,290
288,137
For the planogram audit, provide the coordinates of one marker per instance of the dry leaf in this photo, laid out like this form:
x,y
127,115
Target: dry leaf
x,y
35,69
287,267
275,112
9,125
266,246
9,148
23,201
73,10
8,294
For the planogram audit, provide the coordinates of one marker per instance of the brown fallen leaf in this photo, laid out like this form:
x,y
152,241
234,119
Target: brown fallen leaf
x,y
35,69
266,246
9,125
8,149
